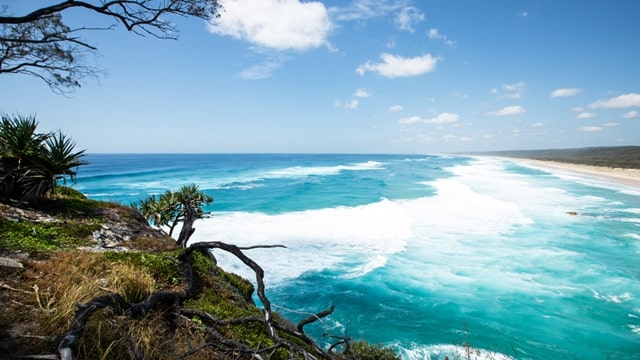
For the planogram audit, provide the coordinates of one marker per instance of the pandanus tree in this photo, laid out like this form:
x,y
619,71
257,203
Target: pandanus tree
x,y
55,162
33,163
172,208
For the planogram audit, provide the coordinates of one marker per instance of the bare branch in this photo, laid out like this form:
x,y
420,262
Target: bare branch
x,y
40,41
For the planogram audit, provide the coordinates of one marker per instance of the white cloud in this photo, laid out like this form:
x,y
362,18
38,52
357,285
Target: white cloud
x,y
410,120
523,14
630,115
509,110
352,104
408,17
619,102
261,71
610,124
274,24
349,104
397,66
537,125
509,91
590,128
444,118
586,115
362,93
564,92
396,108
434,34
366,9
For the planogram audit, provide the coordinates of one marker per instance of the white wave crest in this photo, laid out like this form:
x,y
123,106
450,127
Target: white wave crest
x,y
442,351
302,171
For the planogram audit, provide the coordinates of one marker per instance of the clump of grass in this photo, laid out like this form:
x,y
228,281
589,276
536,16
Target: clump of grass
x,y
134,284
43,238
163,267
362,350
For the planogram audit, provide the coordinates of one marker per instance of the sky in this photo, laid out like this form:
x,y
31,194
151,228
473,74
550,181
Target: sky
x,y
355,76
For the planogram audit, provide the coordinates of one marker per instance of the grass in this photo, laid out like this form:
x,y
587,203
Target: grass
x,y
43,238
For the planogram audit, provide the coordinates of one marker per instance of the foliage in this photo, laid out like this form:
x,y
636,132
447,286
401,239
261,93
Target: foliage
x,y
361,350
169,209
42,238
65,192
164,267
32,163
614,156
41,44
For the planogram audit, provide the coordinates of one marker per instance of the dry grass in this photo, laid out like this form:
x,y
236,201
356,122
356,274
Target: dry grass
x,y
42,300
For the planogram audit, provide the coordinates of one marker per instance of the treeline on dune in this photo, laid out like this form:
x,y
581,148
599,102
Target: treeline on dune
x,y
616,156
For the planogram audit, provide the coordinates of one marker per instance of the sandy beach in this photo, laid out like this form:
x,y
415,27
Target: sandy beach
x,y
629,177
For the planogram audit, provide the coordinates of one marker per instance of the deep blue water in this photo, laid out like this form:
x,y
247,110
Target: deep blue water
x,y
422,253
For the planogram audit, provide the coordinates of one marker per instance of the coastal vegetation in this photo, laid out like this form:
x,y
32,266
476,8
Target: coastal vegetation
x,y
175,207
627,157
33,163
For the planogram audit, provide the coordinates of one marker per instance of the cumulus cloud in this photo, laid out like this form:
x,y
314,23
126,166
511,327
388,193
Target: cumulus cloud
x,y
537,125
619,102
590,128
610,124
509,110
408,17
564,92
630,115
586,115
393,66
444,118
509,91
274,24
362,93
396,108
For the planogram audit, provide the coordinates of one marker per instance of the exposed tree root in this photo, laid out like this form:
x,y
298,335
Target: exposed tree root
x,y
283,335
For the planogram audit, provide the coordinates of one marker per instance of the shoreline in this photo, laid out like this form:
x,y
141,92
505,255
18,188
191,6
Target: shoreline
x,y
629,177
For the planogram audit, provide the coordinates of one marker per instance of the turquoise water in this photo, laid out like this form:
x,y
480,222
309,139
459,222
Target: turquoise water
x,y
422,253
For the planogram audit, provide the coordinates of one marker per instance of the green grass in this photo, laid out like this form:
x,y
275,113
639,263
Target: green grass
x,y
42,238
164,267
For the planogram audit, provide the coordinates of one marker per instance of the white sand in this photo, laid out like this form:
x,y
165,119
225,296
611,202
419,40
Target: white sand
x,y
622,176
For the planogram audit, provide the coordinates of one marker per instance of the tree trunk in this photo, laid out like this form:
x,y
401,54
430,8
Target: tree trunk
x,y
187,226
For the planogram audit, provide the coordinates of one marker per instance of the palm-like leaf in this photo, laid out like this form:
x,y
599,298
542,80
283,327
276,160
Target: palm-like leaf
x,y
56,161
19,139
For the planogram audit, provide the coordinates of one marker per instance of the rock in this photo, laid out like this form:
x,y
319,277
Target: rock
x,y
10,263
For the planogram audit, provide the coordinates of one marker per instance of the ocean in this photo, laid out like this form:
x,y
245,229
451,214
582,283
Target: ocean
x,y
464,257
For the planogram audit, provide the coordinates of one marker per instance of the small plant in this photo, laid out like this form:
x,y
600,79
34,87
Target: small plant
x,y
361,350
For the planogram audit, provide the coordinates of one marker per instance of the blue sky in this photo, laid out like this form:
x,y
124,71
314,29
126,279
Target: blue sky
x,y
359,76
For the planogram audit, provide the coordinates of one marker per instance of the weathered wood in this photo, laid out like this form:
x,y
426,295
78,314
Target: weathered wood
x,y
172,301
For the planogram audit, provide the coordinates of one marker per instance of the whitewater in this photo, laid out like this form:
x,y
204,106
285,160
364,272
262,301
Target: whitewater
x,y
465,257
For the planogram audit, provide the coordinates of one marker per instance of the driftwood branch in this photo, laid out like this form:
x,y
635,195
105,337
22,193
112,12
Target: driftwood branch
x,y
283,335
